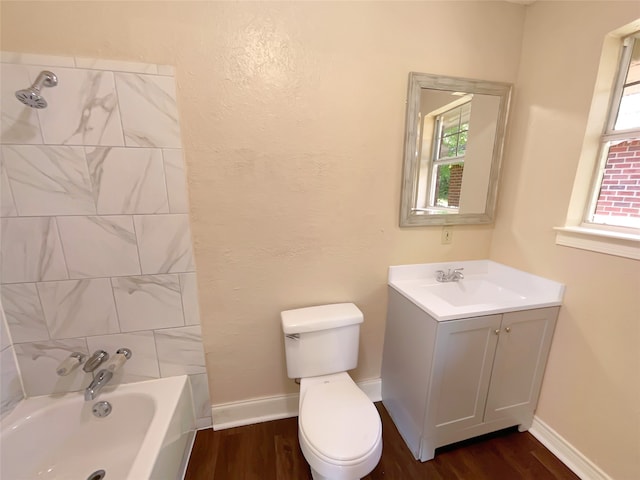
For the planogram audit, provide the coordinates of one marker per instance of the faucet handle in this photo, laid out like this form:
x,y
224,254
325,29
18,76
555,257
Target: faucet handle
x,y
440,275
70,363
118,360
95,360
124,351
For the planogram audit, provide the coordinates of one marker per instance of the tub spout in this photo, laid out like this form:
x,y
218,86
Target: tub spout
x,y
100,380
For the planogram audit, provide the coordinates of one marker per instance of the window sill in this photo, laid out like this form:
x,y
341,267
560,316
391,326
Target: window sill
x,y
603,241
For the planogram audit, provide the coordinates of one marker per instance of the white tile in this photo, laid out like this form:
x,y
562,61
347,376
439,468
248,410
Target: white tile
x,y
128,180
39,361
176,180
24,313
5,339
143,364
189,288
99,246
83,109
148,302
18,123
116,65
10,386
78,308
180,351
164,243
36,59
7,205
200,389
31,250
49,180
149,111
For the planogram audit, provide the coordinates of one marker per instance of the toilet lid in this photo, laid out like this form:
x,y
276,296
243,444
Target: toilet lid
x,y
339,420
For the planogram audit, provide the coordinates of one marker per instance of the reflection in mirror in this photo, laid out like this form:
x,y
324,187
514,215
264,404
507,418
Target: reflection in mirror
x,y
453,147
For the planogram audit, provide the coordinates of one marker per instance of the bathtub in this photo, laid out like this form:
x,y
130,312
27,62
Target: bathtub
x,y
147,435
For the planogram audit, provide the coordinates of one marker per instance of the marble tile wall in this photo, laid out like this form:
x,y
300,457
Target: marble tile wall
x,y
11,391
96,244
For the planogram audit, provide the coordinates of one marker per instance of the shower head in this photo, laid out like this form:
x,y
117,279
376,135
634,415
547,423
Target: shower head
x,y
31,96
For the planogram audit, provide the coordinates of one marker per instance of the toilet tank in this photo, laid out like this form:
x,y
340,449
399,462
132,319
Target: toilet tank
x,y
321,340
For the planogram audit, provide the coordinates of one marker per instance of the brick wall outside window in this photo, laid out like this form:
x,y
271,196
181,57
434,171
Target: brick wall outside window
x,y
620,191
455,185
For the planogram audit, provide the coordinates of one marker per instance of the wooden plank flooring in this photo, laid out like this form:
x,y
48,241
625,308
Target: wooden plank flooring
x,y
270,451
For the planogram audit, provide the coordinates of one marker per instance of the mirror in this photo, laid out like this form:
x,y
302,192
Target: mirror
x,y
454,138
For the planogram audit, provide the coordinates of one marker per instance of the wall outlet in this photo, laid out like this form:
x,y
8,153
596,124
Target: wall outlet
x,y
447,235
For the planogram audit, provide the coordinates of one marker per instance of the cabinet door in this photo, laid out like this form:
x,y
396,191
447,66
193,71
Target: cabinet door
x,y
460,378
521,356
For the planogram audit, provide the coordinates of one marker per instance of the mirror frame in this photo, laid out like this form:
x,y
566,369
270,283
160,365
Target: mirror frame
x,y
418,81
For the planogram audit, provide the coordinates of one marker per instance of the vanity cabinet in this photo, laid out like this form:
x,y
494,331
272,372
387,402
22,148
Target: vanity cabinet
x,y
446,381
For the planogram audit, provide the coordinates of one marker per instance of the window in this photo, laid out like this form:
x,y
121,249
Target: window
x,y
604,214
616,194
451,130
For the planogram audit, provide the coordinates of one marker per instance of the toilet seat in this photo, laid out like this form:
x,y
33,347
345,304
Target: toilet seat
x,y
339,422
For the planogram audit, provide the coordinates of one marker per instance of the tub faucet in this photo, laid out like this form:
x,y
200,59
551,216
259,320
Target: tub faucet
x,y
95,360
451,275
100,380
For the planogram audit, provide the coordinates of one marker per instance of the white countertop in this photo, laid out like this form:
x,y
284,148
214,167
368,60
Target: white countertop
x,y
487,288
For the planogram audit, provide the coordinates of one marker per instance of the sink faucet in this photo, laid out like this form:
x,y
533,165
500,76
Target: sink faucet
x,y
100,380
451,275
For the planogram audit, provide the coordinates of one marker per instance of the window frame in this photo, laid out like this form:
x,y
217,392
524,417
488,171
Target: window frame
x,y
577,232
611,135
437,160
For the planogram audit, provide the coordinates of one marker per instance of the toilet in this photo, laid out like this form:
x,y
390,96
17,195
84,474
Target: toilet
x,y
339,428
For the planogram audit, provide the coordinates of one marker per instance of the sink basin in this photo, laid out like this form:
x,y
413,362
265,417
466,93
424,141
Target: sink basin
x,y
487,288
473,291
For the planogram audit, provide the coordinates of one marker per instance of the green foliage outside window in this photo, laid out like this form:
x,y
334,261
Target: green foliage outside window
x,y
453,142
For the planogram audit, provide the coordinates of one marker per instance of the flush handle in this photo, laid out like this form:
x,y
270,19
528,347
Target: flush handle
x,y
293,336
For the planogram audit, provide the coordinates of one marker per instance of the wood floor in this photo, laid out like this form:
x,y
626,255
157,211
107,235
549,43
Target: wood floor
x,y
270,451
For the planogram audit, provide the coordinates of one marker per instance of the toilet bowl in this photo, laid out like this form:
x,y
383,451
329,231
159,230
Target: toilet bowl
x,y
339,428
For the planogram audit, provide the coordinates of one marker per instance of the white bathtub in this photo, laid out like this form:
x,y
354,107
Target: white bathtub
x,y
146,435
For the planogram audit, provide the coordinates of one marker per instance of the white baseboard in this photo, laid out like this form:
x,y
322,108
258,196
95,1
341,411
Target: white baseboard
x,y
567,453
236,414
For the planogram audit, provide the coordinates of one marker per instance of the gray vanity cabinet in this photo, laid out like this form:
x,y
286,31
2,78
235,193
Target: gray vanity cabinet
x,y
447,381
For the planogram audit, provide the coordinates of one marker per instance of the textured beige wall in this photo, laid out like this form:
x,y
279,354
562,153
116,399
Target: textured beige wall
x,y
591,389
293,119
